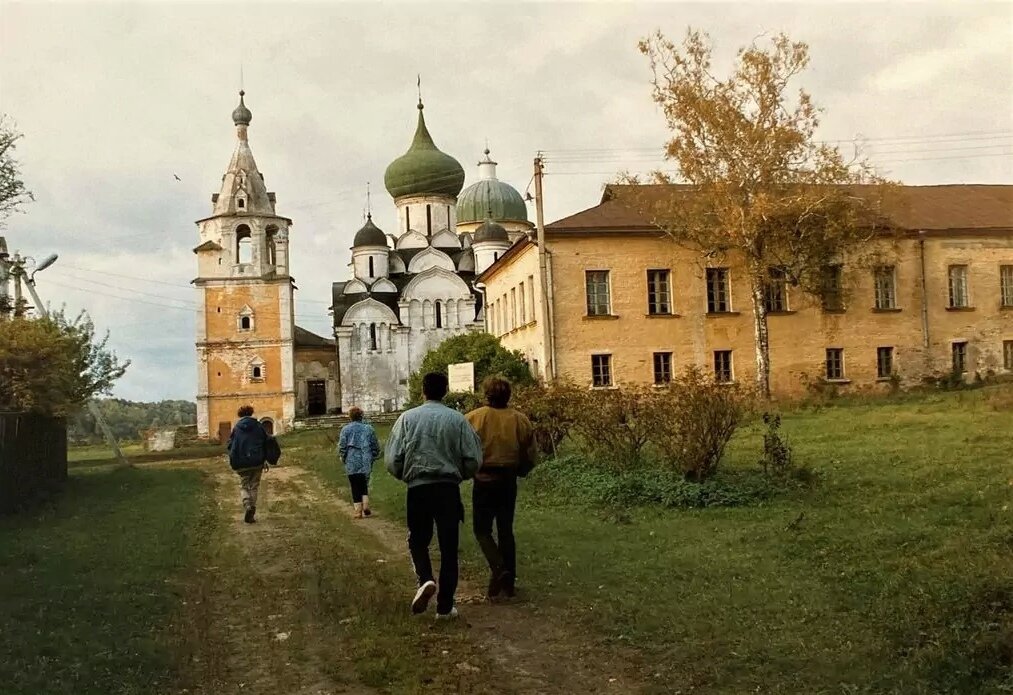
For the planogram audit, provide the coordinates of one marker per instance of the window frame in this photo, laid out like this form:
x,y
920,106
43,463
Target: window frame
x,y
958,348
714,306
835,357
832,293
720,370
884,287
664,369
1006,286
771,283
606,283
659,292
604,368
1007,355
887,350
964,286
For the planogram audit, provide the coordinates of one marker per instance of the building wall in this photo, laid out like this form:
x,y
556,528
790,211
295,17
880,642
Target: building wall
x,y
798,339
525,333
316,364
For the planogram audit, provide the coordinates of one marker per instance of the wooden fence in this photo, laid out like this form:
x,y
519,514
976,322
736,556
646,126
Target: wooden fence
x,y
33,458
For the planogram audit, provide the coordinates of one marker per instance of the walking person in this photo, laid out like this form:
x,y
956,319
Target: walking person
x,y
358,447
251,450
432,449
508,451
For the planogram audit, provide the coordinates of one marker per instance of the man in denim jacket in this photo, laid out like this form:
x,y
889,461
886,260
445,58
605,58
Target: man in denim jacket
x,y
433,449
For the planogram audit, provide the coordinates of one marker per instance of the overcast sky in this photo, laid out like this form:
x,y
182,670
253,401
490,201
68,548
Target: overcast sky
x,y
116,99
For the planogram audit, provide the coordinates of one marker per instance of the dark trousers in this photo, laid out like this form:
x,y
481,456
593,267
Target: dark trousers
x,y
360,485
439,504
496,502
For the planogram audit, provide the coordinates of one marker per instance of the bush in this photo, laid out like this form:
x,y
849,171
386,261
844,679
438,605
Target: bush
x,y
489,357
552,410
570,479
777,460
613,427
464,402
691,422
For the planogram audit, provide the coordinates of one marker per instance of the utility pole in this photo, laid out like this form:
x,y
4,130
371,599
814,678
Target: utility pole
x,y
5,276
20,274
547,338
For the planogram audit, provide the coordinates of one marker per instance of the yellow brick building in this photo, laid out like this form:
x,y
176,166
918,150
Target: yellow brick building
x,y
627,305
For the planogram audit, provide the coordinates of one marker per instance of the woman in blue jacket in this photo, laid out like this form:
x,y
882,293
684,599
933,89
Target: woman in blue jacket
x,y
358,448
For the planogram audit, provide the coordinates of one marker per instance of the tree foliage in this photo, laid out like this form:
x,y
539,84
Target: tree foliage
x,y
13,193
755,183
490,359
129,420
54,365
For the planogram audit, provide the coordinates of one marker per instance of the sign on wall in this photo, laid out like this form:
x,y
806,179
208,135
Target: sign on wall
x,y
461,377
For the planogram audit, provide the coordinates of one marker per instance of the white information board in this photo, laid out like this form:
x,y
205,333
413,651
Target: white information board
x,y
461,377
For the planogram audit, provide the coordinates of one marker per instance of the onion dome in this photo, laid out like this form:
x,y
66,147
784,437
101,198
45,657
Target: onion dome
x,y
490,195
369,235
423,169
491,231
242,115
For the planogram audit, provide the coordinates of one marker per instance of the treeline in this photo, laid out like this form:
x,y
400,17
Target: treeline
x,y
128,419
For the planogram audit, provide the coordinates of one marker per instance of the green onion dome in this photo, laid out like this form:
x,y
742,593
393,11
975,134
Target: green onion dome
x,y
488,196
423,169
490,231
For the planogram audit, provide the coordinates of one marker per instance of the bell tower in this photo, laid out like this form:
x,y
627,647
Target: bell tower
x,y
245,319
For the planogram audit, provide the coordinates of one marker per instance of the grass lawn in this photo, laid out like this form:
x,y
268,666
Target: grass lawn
x,y
89,583
894,576
101,454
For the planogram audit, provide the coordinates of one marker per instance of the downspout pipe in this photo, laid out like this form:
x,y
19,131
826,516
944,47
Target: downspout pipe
x,y
925,293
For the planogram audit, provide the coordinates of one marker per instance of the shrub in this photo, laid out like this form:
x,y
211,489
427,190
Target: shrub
x,y
612,427
692,421
777,460
552,410
464,402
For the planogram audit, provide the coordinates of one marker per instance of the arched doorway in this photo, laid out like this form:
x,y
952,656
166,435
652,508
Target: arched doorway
x,y
268,425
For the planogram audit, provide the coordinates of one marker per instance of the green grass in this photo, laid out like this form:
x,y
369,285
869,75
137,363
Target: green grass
x,y
101,454
897,578
89,583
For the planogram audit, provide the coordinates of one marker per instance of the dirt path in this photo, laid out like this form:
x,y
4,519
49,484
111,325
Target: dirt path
x,y
272,639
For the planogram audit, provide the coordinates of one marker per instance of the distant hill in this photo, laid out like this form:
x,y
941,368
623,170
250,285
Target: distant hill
x,y
129,419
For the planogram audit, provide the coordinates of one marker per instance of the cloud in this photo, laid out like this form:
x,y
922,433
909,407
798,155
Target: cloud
x,y
116,99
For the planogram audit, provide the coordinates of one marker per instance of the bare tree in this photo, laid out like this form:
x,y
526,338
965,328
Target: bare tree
x,y
756,182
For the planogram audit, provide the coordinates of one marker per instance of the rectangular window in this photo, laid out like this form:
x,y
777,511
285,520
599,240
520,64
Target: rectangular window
x,y
718,292
884,362
835,363
662,368
723,366
775,291
598,302
886,287
958,287
659,292
1007,354
1006,285
513,308
833,288
523,305
960,358
531,297
601,370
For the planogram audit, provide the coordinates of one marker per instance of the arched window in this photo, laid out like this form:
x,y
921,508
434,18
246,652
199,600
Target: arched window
x,y
272,249
372,337
245,319
429,220
439,314
241,203
495,256
257,371
244,244
407,219
370,266
244,323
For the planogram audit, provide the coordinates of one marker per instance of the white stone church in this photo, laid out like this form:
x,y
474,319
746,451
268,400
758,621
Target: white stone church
x,y
411,288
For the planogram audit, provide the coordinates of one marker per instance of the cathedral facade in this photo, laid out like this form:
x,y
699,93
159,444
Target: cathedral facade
x,y
410,290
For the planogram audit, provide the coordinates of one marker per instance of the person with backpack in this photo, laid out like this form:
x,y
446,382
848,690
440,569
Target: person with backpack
x,y
358,447
251,450
508,452
432,449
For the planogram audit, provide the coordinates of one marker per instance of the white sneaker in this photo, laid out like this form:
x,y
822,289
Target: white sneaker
x,y
422,597
452,615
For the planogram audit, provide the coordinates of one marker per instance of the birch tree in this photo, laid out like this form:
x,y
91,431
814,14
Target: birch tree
x,y
757,184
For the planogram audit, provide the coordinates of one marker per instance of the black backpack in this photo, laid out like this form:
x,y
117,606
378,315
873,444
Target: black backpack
x,y
246,450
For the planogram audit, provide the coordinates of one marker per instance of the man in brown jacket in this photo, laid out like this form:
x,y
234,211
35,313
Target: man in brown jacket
x,y
508,451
